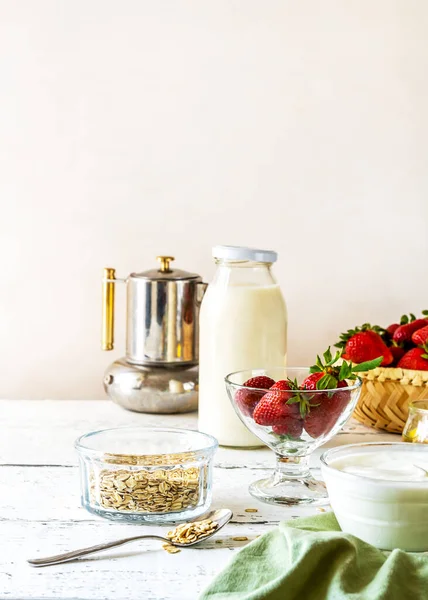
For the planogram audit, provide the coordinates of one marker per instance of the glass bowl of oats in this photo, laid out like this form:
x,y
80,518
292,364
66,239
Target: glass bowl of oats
x,y
146,474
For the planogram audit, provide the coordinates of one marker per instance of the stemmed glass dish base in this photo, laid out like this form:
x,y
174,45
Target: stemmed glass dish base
x,y
290,484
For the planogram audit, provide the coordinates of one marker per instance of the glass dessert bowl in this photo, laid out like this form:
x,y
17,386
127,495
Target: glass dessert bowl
x,y
146,474
292,423
416,428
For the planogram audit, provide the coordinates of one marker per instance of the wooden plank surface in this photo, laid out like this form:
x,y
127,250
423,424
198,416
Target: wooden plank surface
x,y
40,511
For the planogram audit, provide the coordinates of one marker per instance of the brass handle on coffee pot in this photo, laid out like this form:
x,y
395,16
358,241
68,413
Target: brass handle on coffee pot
x,y
109,278
164,263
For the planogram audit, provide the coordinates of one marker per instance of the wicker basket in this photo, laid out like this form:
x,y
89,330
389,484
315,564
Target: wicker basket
x,y
385,395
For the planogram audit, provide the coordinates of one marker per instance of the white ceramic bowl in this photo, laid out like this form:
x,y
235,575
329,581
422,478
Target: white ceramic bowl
x,y
389,512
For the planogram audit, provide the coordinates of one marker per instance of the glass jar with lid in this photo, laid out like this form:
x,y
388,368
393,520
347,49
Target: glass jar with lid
x,y
243,325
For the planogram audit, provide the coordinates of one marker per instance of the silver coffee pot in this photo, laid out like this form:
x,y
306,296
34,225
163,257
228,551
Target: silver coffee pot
x,y
159,372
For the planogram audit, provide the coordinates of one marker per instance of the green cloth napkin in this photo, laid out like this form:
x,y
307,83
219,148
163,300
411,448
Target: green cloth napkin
x,y
311,559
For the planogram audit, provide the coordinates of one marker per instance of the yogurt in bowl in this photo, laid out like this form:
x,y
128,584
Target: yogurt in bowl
x,y
379,493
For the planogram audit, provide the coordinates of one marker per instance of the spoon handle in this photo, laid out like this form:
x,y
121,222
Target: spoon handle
x,y
61,558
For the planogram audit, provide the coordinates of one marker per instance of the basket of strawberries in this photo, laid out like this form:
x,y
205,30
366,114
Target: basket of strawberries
x,y
402,375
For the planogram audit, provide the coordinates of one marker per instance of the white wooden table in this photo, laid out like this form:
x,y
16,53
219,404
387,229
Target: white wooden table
x,y
40,511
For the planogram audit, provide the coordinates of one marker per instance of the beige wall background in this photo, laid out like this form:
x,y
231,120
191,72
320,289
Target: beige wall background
x,y
134,128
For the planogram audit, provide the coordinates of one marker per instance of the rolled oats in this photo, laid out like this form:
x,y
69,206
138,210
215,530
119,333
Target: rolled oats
x,y
186,533
171,549
140,490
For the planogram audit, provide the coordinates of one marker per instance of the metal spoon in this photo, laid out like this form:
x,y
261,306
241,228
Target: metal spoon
x,y
221,517
422,469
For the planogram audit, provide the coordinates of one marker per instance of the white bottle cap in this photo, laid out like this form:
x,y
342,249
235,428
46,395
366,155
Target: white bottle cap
x,y
243,253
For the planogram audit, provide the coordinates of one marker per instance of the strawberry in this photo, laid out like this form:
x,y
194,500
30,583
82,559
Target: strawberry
x,y
310,383
367,345
416,359
247,400
324,409
292,427
282,384
344,337
397,353
280,407
391,328
260,382
327,376
273,408
322,418
420,337
404,333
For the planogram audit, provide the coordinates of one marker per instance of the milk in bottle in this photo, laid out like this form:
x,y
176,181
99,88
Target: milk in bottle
x,y
243,325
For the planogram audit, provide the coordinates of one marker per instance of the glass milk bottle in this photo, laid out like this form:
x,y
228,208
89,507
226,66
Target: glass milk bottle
x,y
243,325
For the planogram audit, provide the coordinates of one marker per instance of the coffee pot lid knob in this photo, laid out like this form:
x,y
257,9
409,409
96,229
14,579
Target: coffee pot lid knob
x,y
165,272
164,263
